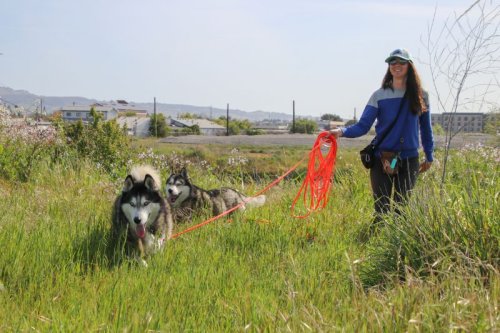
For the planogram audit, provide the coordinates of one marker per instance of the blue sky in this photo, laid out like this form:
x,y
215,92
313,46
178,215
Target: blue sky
x,y
327,55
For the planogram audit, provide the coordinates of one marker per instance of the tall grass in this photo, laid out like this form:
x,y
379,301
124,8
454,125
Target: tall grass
x,y
434,268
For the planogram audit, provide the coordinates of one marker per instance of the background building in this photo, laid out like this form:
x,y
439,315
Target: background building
x,y
80,112
463,121
206,126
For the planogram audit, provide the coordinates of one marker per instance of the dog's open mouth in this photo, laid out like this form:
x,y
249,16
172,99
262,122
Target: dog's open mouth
x,y
173,198
140,230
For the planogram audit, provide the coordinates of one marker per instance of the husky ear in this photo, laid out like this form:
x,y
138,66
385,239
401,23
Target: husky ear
x,y
128,184
184,173
150,183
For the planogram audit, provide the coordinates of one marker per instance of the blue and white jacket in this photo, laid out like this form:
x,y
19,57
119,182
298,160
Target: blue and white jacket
x,y
383,107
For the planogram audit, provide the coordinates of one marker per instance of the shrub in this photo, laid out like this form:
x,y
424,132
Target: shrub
x,y
158,126
195,130
305,126
235,126
104,143
444,231
254,131
23,146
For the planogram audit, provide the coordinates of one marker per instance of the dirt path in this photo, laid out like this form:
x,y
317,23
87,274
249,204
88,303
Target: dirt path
x,y
306,140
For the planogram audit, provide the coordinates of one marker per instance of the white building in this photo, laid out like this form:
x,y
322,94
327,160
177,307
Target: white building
x,y
81,112
136,126
207,127
460,121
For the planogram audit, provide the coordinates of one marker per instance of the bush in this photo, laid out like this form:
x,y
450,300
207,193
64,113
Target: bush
x,y
104,143
24,146
444,231
438,130
235,126
158,126
305,126
254,131
195,130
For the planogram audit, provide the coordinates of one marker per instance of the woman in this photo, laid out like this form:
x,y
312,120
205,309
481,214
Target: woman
x,y
402,138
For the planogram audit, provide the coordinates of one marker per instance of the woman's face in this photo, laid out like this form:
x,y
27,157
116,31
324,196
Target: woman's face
x,y
398,68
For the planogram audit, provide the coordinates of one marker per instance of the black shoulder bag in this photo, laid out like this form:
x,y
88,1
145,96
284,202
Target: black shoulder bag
x,y
368,153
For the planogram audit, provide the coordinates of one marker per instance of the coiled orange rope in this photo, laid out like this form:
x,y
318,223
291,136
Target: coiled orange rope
x,y
316,186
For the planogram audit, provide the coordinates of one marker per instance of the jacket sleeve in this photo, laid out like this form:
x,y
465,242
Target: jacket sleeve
x,y
426,135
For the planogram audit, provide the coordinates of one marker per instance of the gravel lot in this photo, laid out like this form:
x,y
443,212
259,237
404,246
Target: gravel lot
x,y
306,140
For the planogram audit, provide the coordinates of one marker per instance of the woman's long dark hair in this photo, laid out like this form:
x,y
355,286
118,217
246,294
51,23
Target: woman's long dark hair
x,y
413,89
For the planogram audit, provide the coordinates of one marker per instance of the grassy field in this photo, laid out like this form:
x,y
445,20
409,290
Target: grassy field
x,y
435,268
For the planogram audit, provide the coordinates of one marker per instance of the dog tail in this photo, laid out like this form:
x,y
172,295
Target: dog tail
x,y
257,201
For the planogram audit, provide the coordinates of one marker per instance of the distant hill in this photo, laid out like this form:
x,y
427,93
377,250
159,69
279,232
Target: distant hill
x,y
31,103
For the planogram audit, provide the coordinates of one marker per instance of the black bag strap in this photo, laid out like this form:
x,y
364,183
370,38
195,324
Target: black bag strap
x,y
392,124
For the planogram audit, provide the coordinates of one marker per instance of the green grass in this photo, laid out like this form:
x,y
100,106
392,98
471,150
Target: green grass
x,y
434,269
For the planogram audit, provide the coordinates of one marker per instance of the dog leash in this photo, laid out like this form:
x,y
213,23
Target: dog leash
x,y
317,179
316,186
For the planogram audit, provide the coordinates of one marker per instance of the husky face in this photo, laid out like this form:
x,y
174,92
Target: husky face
x,y
178,188
140,204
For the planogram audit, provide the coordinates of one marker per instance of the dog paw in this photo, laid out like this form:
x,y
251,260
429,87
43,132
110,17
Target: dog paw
x,y
141,261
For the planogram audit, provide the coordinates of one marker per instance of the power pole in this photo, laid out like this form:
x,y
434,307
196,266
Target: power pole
x,y
227,120
41,110
154,112
293,117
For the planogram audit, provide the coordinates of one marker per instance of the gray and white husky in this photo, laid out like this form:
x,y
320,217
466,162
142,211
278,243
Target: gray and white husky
x,y
141,214
188,199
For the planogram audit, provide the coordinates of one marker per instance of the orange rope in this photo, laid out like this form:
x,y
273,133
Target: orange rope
x,y
324,138
241,204
319,176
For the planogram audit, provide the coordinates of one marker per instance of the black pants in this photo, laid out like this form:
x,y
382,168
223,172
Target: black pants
x,y
384,185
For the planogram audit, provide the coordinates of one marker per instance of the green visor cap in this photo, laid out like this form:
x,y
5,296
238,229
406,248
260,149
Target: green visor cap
x,y
399,54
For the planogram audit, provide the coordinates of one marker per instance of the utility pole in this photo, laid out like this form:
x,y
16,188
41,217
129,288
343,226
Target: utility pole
x,y
41,110
154,112
293,117
227,120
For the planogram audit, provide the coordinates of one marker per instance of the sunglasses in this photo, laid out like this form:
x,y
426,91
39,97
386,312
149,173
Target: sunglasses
x,y
398,61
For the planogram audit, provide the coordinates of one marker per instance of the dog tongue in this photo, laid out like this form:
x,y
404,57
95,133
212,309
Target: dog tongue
x,y
140,230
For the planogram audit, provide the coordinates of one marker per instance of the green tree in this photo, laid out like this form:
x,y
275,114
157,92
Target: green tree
x,y
492,122
103,142
351,122
305,126
437,129
195,129
235,126
158,126
96,117
254,131
234,129
187,115
332,117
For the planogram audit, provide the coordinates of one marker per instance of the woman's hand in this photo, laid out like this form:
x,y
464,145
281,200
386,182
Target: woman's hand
x,y
337,132
424,166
